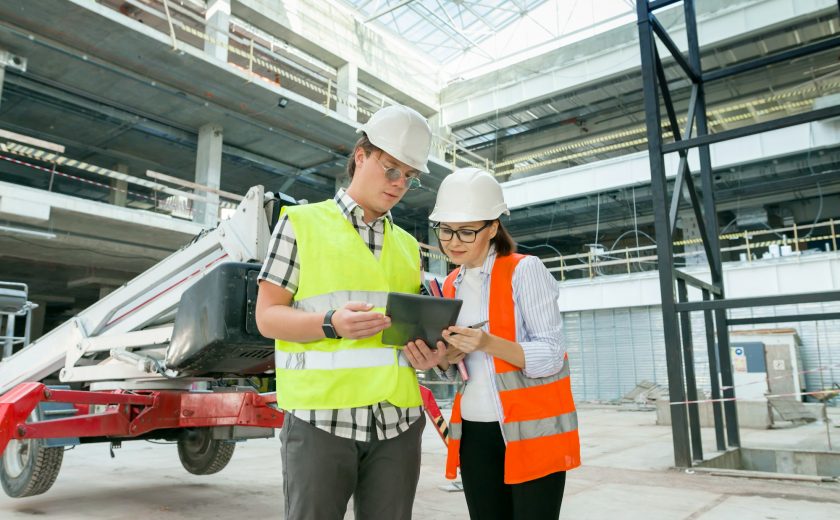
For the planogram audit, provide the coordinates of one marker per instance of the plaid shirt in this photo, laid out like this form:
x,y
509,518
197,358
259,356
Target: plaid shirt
x,y
282,267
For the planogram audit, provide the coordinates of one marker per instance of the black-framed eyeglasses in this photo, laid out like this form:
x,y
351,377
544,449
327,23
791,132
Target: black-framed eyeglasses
x,y
412,180
465,235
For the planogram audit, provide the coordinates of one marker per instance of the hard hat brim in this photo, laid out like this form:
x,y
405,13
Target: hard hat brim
x,y
458,216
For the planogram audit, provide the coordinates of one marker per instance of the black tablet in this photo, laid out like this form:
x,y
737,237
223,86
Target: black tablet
x,y
418,317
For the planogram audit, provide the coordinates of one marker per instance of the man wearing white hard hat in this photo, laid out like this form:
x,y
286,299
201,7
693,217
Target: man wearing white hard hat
x,y
513,429
353,419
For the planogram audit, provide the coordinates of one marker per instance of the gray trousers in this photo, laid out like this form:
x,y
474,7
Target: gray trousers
x,y
321,472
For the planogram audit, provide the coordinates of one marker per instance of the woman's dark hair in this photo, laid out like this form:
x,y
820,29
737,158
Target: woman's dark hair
x,y
365,144
503,241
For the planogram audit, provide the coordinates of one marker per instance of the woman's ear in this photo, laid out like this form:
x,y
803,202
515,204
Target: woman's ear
x,y
494,229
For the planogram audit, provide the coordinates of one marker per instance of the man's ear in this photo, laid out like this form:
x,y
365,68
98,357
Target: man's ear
x,y
359,156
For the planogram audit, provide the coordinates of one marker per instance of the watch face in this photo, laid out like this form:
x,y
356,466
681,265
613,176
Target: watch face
x,y
327,326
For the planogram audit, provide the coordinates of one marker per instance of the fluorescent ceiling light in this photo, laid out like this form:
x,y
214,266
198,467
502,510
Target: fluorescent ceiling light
x,y
40,143
29,232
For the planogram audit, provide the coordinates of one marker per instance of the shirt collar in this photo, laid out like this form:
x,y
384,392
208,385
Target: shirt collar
x,y
484,270
348,206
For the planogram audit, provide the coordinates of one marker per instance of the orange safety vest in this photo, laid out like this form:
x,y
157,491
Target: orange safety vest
x,y
539,421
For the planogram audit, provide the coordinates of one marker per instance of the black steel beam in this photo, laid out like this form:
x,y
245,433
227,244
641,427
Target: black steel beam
x,y
683,173
760,301
696,282
674,50
757,128
706,175
659,184
791,54
710,207
730,411
786,318
659,4
690,379
714,373
682,169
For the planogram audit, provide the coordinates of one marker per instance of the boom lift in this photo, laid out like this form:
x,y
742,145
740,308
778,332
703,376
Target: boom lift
x,y
145,362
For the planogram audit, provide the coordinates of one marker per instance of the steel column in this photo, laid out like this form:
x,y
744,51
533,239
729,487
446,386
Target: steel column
x,y
673,354
690,379
714,372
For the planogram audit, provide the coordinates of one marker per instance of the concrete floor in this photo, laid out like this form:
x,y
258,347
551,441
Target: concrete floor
x,y
626,476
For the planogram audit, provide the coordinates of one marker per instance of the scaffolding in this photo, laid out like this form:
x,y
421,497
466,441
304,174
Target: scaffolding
x,y
676,307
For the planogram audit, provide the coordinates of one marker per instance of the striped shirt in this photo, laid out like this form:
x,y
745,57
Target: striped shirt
x,y
282,267
539,324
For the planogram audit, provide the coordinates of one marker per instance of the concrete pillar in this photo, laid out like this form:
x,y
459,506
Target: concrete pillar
x,y
440,145
119,195
218,26
7,331
691,231
436,123
2,79
348,90
208,171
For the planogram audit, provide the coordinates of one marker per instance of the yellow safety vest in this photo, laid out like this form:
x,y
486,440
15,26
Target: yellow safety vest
x,y
336,267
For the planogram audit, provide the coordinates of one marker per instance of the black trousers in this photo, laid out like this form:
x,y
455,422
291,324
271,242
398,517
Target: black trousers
x,y
482,473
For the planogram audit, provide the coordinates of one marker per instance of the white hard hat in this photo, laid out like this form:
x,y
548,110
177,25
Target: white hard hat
x,y
467,195
402,133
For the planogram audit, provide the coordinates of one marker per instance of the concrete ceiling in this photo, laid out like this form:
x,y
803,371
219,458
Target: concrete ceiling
x,y
113,96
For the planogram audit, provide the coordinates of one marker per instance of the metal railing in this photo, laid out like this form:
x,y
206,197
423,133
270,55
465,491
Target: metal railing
x,y
14,303
115,187
752,244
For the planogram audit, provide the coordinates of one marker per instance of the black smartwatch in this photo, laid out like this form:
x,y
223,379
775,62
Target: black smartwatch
x,y
327,326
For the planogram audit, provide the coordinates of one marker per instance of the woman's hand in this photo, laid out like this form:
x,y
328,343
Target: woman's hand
x,y
422,357
466,340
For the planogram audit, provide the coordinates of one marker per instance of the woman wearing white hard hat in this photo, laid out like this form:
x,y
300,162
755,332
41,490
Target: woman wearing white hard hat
x,y
513,427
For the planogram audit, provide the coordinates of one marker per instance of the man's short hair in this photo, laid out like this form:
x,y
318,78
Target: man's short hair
x,y
365,144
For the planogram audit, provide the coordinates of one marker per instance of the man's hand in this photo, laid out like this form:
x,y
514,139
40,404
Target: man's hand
x,y
453,355
422,357
355,321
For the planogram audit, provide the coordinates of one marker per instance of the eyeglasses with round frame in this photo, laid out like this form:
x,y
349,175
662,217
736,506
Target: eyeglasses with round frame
x,y
465,235
412,180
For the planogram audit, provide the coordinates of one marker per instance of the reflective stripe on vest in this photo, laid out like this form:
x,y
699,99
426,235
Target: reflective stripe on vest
x,y
337,299
522,430
515,380
355,358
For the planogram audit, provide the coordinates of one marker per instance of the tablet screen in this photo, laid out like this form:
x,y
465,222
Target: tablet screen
x,y
414,316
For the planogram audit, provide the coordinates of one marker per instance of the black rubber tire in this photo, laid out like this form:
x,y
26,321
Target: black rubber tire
x,y
200,454
40,468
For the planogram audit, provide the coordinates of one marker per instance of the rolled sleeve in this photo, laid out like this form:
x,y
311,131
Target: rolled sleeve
x,y
450,374
281,266
535,292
